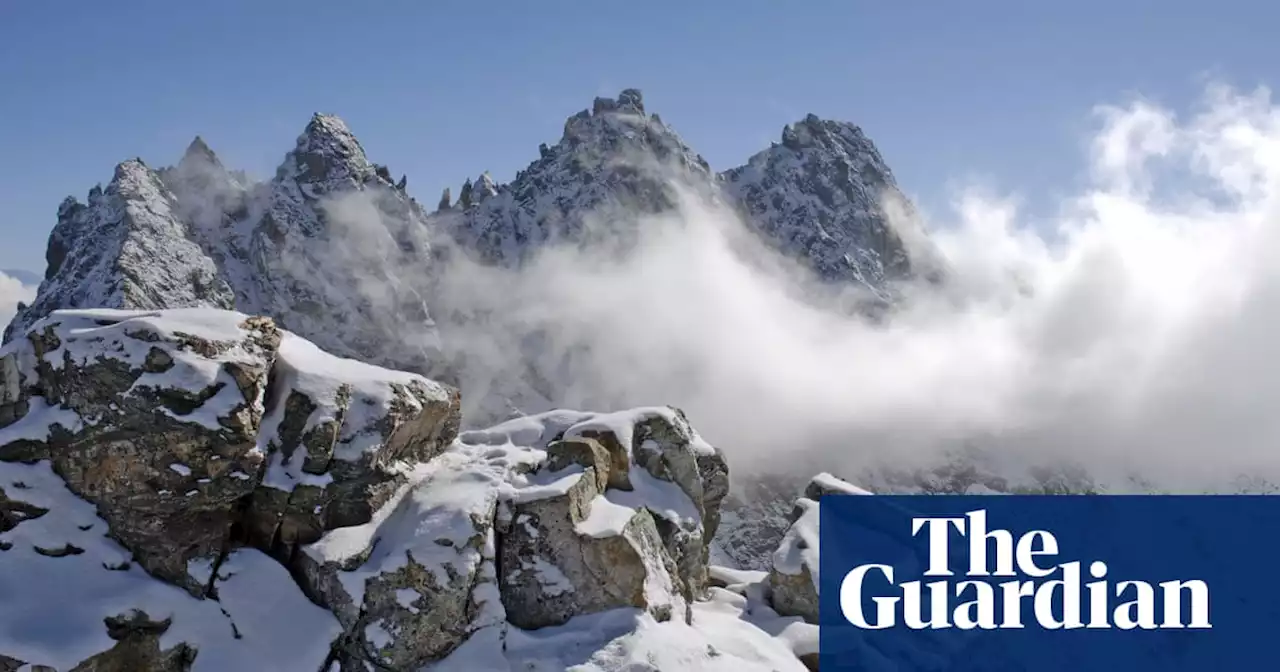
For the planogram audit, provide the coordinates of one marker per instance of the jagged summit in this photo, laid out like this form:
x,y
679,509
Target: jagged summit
x,y
327,154
824,196
198,150
126,248
612,158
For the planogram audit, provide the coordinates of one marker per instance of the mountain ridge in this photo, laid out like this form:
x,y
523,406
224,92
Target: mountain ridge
x,y
334,233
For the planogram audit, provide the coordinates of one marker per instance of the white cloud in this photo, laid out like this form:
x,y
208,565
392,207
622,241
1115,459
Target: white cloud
x,y
1141,334
11,292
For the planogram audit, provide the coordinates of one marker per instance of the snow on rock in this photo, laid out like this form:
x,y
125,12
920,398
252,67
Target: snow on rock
x,y
612,159
126,248
793,578
341,437
820,196
413,569
725,633
603,555
148,415
72,594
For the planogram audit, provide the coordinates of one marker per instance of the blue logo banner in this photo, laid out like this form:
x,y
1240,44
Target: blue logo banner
x,y
1049,583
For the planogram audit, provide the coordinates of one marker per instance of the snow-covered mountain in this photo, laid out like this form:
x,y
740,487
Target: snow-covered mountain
x,y
824,195
335,249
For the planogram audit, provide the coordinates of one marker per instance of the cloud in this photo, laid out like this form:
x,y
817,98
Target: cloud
x,y
1138,335
12,291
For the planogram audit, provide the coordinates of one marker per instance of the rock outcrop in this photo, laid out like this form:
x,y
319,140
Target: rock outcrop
x,y
793,577
194,466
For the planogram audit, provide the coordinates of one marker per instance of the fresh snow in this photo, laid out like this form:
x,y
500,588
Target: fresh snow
x,y
54,607
799,549
728,634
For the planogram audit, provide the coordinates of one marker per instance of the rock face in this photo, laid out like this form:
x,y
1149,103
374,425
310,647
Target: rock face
x,y
189,463
128,247
824,196
793,576
153,423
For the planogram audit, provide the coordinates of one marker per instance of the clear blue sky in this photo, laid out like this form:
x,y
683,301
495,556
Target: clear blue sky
x,y
443,90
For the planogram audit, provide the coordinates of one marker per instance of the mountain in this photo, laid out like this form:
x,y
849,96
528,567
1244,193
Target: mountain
x,y
198,490
817,196
612,158
199,235
336,250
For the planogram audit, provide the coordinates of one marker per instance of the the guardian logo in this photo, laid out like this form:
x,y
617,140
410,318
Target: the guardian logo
x,y
1039,591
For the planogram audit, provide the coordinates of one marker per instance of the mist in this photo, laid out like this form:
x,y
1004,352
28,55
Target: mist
x,y
1134,334
13,291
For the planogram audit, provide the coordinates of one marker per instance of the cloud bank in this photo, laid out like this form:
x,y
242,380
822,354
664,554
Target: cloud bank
x,y
1136,334
12,290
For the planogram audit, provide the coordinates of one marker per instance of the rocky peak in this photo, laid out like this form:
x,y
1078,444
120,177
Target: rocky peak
x,y
327,155
612,155
821,196
199,152
129,247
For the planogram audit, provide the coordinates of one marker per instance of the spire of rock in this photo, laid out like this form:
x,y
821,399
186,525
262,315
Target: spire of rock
x,y
129,247
446,201
327,155
199,151
483,188
820,196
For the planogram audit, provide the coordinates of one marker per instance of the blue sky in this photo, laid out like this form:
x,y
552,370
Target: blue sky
x,y
997,91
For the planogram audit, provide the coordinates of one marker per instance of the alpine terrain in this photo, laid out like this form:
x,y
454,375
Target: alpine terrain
x,y
242,425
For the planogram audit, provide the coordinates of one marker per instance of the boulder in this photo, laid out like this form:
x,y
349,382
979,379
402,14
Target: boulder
x,y
668,451
340,438
793,577
568,550
151,416
137,647
405,584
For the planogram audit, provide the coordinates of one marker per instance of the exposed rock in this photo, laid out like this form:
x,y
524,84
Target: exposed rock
x,y
340,437
569,551
137,648
793,578
661,441
166,454
405,585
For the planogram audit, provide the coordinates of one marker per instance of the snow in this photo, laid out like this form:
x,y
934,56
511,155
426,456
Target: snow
x,y
829,483
181,469
406,598
54,607
606,519
431,519
728,634
303,367
543,485
553,581
39,421
799,549
662,498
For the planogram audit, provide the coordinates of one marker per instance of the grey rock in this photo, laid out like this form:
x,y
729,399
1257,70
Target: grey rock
x,y
166,456
555,564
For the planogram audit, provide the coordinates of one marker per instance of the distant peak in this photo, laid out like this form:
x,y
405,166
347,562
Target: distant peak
x,y
198,148
814,131
198,158
629,100
327,148
330,130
